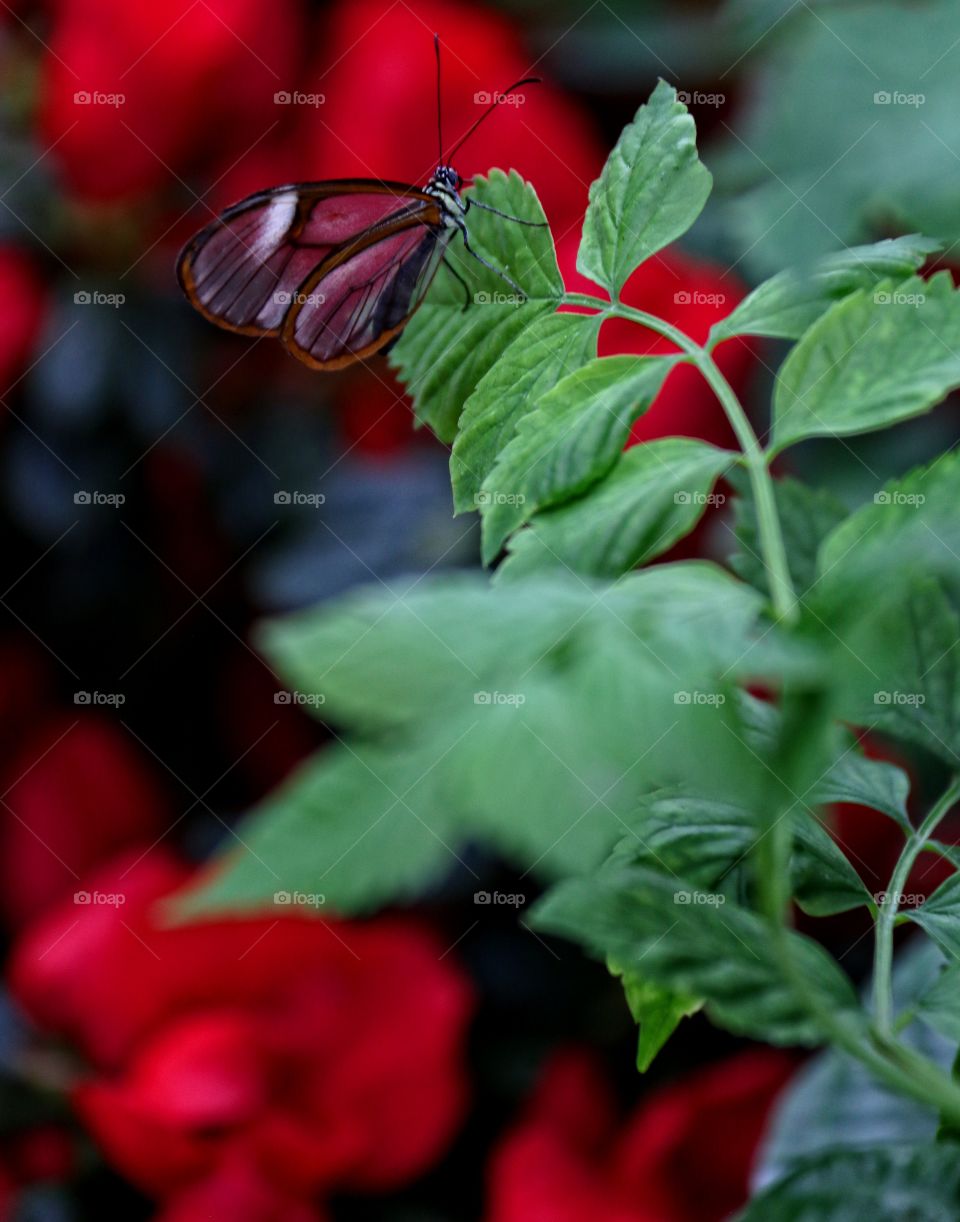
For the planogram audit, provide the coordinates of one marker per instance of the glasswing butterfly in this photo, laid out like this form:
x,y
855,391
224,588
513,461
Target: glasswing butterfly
x,y
334,269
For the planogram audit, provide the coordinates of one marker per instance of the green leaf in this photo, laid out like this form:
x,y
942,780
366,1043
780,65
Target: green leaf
x,y
940,1004
345,826
807,515
460,705
701,838
875,358
939,915
655,495
548,349
656,1011
446,350
785,306
694,943
910,529
574,436
856,778
885,1184
649,193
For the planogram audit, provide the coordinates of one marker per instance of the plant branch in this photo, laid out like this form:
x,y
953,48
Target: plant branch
x,y
782,593
887,913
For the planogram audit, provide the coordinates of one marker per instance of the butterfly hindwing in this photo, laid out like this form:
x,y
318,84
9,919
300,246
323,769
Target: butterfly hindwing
x,y
363,295
244,270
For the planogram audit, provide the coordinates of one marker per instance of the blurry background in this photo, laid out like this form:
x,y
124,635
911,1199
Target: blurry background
x,y
163,485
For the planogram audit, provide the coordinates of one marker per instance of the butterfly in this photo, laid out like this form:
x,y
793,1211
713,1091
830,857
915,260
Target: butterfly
x,y
335,270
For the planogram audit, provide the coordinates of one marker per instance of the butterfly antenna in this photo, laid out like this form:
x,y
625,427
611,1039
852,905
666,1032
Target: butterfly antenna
x,y
497,99
436,47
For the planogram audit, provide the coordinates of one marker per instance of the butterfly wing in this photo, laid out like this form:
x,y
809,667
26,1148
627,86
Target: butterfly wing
x,y
243,271
363,294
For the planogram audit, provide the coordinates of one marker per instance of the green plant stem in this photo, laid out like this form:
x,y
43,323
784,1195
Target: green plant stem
x,y
887,913
782,593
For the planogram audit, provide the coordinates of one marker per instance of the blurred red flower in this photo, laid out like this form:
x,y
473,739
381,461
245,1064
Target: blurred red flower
x,y
75,792
683,1156
379,119
24,303
136,95
302,1054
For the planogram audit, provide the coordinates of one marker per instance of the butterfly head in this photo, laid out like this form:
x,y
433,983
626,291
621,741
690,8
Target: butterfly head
x,y
445,186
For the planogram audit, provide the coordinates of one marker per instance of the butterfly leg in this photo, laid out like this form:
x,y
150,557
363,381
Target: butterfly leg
x,y
496,270
466,287
475,203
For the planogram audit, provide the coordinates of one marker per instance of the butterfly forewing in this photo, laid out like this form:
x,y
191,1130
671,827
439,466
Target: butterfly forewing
x,y
362,296
248,269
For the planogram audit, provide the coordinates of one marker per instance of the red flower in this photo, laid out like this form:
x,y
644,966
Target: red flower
x,y
310,1054
24,301
684,1155
137,94
379,119
76,793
